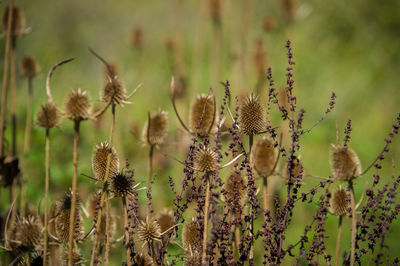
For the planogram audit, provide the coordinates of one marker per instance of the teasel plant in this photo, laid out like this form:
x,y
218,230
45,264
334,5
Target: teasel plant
x,y
114,94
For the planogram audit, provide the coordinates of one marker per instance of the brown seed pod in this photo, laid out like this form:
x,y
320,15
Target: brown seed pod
x,y
251,116
193,259
149,231
264,156
17,21
206,160
165,219
29,68
203,115
121,185
339,202
93,204
156,132
77,258
344,163
25,234
296,170
143,260
191,236
99,161
114,92
77,106
48,116
236,188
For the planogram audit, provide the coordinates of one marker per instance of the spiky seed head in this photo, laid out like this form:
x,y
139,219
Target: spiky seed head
x,y
339,202
121,185
62,219
93,203
156,132
29,68
77,106
114,92
193,259
191,236
297,169
236,188
48,116
264,156
99,161
77,258
251,116
202,120
149,230
17,21
110,71
141,259
206,160
344,163
165,219
26,233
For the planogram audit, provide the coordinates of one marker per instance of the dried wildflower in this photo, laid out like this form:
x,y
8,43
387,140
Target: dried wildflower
x,y
77,258
193,259
77,106
344,163
99,161
62,219
143,260
251,116
206,160
156,128
121,185
264,156
48,116
297,169
191,236
165,219
17,21
29,68
26,233
149,230
339,202
202,116
114,92
236,188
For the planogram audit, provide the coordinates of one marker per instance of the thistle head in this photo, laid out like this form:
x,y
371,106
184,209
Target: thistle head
x,y
29,67
26,233
191,236
206,160
99,161
17,21
297,171
339,202
77,106
48,116
251,116
114,91
149,230
155,130
203,115
236,188
264,156
121,185
345,164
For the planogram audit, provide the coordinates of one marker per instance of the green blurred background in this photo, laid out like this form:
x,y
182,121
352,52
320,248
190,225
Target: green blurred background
x,y
349,47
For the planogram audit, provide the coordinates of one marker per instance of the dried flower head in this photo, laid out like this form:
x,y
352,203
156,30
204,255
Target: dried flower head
x,y
149,230
26,233
93,203
165,219
264,156
193,259
143,260
48,116
77,106
121,185
344,163
62,219
236,188
17,21
206,160
29,68
99,161
251,116
155,130
114,92
339,202
203,115
191,236
77,258
296,171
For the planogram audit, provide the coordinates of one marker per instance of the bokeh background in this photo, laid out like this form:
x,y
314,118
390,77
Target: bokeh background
x,y
349,47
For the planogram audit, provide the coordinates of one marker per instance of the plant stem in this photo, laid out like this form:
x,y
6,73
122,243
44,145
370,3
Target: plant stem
x,y
149,170
206,207
107,251
46,196
339,233
251,255
74,191
13,101
353,224
126,232
265,196
5,77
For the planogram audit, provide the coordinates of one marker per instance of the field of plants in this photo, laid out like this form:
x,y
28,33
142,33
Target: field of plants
x,y
211,132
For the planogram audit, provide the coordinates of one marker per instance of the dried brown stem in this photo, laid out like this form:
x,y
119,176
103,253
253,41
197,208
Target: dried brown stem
x,y
149,172
353,224
48,90
339,233
126,233
46,195
13,102
206,207
108,240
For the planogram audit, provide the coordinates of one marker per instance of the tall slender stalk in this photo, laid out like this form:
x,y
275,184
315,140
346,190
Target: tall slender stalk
x,y
149,171
339,234
206,207
353,224
126,233
46,196
251,255
265,194
74,189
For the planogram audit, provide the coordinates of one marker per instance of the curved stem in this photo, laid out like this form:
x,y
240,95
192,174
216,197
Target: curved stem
x,y
206,207
48,90
339,233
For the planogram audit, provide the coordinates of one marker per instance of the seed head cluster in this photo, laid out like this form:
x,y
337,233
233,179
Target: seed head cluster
x,y
339,202
77,106
251,116
155,130
100,156
344,163
48,116
202,118
206,160
264,156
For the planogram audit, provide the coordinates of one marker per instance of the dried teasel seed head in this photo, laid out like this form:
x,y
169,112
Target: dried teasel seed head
x,y
77,258
143,260
236,188
121,185
114,92
264,156
165,219
344,163
26,233
149,230
99,161
29,68
191,236
17,21
339,202
251,116
93,203
206,160
62,219
77,106
48,116
203,115
156,132
297,169
193,259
